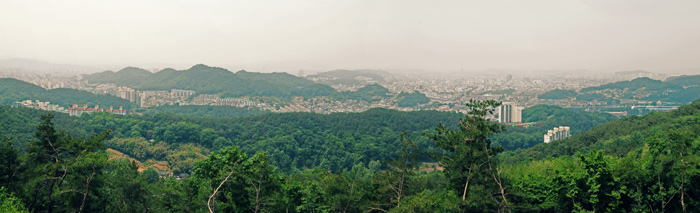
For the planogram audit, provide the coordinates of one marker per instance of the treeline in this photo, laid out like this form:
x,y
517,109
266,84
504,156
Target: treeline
x,y
12,90
65,173
205,111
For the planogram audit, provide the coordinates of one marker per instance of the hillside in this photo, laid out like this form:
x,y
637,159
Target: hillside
x,y
412,99
213,80
679,89
210,80
617,137
12,90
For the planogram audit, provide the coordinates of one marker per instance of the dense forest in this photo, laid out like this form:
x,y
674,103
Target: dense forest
x,y
635,164
293,141
205,111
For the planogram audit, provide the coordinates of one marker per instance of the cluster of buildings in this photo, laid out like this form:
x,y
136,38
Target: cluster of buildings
x,y
72,111
77,111
39,105
181,92
557,133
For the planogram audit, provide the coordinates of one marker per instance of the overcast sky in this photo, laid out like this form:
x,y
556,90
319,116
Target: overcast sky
x,y
611,35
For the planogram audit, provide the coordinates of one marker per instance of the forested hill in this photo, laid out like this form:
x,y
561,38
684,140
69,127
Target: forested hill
x,y
213,80
617,137
12,90
680,89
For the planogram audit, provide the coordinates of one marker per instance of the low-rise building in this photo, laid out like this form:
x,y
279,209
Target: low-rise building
x,y
557,133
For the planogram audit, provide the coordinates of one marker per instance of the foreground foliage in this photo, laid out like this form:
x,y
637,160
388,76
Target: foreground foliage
x,y
660,173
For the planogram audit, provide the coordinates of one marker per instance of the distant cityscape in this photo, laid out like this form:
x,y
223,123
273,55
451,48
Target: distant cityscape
x,y
445,94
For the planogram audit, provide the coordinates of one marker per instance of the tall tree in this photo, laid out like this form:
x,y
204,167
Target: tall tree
x,y
63,169
8,162
467,160
395,180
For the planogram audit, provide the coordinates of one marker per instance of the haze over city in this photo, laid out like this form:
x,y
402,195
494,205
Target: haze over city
x,y
266,36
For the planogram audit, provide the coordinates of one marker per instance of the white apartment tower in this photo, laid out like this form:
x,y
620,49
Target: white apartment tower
x,y
509,113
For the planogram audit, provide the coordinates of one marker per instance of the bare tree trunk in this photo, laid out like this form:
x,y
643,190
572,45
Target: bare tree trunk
x,y
258,188
658,178
685,167
466,185
498,180
400,193
683,192
217,190
352,189
87,190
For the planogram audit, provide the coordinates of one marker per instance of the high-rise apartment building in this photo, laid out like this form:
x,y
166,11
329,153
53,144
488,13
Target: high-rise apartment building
x,y
509,113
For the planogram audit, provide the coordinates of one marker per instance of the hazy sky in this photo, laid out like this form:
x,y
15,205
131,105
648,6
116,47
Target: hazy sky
x,y
614,35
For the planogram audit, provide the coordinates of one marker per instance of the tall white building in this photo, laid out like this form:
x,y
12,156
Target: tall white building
x,y
509,113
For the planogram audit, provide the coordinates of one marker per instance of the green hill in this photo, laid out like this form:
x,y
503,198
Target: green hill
x,y
213,80
412,99
210,80
12,90
617,137
679,89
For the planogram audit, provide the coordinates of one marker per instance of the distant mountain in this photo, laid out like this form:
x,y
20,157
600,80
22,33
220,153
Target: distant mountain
x,y
351,77
214,80
12,90
633,72
209,80
28,65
